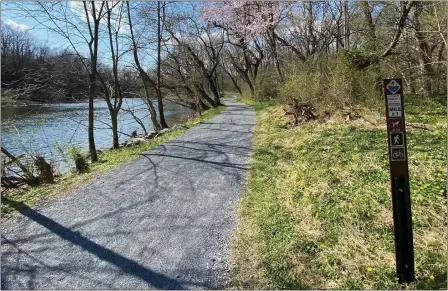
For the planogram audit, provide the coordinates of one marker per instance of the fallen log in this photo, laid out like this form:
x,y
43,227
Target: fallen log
x,y
17,182
17,162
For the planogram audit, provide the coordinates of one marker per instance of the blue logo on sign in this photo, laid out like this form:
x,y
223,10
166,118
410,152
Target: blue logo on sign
x,y
393,86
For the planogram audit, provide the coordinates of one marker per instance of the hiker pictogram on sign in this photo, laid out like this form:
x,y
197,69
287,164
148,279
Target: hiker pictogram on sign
x,y
396,124
396,139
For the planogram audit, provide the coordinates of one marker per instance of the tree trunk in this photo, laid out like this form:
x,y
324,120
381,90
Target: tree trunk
x,y
424,52
249,83
234,82
92,75
204,95
273,45
215,92
368,20
143,75
152,111
202,105
92,148
346,26
163,123
114,117
115,93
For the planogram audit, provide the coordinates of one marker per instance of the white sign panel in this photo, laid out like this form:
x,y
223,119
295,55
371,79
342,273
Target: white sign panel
x,y
394,105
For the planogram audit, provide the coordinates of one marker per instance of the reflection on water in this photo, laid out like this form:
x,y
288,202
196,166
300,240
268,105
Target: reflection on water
x,y
37,128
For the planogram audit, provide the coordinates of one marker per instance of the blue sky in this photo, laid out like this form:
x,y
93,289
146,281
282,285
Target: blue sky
x,y
13,12
9,12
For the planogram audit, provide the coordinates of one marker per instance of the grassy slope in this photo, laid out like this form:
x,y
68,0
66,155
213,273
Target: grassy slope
x,y
108,160
317,211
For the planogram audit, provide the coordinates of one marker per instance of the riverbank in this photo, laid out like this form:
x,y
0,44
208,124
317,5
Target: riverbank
x,y
107,160
13,102
9,98
52,130
317,211
8,101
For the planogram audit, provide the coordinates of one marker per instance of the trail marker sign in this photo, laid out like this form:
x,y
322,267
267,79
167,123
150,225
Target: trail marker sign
x,y
396,124
397,139
398,154
394,105
393,86
399,176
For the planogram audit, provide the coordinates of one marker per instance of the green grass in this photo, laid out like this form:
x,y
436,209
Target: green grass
x,y
107,160
317,210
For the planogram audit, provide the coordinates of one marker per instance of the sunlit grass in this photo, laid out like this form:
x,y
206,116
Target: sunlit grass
x,y
107,160
317,210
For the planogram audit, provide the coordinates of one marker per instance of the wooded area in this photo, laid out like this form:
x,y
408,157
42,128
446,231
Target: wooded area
x,y
330,54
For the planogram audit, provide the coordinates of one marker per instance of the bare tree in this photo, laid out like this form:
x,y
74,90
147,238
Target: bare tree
x,y
113,93
93,26
147,81
161,13
189,33
61,19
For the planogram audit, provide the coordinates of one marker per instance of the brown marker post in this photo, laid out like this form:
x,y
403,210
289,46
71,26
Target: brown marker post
x,y
399,175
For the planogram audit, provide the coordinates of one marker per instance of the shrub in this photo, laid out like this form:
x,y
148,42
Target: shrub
x,y
76,154
302,87
267,87
335,85
340,80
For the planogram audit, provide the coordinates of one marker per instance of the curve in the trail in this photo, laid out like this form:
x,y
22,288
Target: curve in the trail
x,y
159,222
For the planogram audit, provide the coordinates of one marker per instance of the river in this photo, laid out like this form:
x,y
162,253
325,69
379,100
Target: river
x,y
37,129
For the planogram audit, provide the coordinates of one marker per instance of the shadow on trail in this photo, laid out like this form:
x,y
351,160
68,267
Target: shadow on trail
x,y
126,265
229,123
228,130
210,144
222,164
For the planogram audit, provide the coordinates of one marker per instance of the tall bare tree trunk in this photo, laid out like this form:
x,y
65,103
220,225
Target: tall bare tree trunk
x,y
366,10
114,118
92,148
92,75
143,75
160,17
424,51
346,26
272,42
234,81
113,92
273,45
215,91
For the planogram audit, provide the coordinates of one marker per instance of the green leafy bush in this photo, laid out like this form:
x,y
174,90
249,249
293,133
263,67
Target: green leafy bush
x,y
74,154
79,157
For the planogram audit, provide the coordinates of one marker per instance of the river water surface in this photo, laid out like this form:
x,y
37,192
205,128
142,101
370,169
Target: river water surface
x,y
37,129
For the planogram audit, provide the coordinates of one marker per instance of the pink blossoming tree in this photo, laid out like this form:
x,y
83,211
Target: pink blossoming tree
x,y
247,20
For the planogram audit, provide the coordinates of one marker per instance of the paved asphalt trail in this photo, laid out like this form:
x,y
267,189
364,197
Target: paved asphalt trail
x,y
159,222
